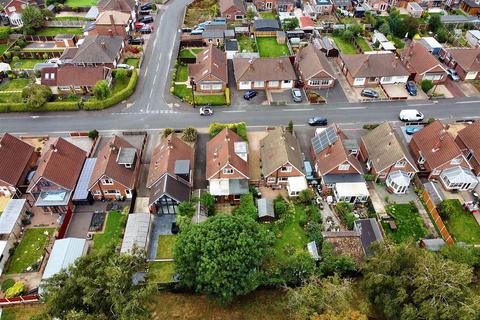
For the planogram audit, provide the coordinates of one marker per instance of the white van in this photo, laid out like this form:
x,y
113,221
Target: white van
x,y
411,115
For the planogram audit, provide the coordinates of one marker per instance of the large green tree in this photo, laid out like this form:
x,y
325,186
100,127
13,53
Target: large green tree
x,y
35,95
221,257
99,286
33,18
102,91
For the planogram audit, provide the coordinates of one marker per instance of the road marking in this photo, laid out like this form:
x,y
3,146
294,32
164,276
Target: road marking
x,y
155,78
146,72
352,108
420,104
299,125
467,102
235,111
305,109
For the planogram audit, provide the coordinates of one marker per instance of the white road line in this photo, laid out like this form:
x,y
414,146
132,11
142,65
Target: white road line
x,y
146,72
467,102
299,125
420,104
155,78
352,108
235,111
293,110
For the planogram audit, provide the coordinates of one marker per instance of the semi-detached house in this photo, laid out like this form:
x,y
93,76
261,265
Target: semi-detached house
x,y
264,73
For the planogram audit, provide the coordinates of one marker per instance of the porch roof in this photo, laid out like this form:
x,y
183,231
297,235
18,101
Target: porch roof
x,y
352,189
400,178
297,184
459,175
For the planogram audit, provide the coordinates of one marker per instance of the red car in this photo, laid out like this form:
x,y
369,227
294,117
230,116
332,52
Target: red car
x,y
139,25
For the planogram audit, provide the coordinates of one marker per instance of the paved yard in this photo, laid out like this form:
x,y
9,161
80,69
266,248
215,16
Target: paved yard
x,y
334,95
79,225
469,89
445,90
162,225
199,175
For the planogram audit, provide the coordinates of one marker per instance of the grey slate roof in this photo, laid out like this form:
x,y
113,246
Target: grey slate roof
x,y
266,25
212,33
171,187
231,45
98,49
369,233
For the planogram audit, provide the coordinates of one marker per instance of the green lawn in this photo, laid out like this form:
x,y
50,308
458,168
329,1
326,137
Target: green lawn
x,y
112,231
10,97
160,272
292,235
80,3
268,47
72,18
363,44
3,47
25,63
186,53
30,249
461,224
53,31
132,62
344,46
268,15
15,85
409,224
166,243
118,86
246,44
183,92
182,73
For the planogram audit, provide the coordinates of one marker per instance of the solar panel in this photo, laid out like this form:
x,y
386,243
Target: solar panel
x,y
324,139
81,191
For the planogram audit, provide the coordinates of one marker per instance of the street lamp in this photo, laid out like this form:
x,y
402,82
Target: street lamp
x,y
192,84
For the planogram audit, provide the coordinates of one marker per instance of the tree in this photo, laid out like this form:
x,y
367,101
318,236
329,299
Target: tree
x,y
166,132
102,91
355,29
434,23
290,126
93,134
427,85
250,14
442,35
347,35
411,26
121,75
36,95
221,257
185,213
5,32
306,196
189,134
290,24
335,264
297,268
247,207
385,28
99,286
208,202
33,18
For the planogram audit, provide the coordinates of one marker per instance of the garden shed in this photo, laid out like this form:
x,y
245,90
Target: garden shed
x,y
137,232
265,210
10,220
64,253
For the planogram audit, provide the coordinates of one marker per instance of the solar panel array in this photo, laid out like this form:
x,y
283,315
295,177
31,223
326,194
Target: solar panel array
x,y
81,191
324,139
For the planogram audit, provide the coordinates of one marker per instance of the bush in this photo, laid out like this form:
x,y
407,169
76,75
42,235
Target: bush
x,y
36,95
227,96
208,202
314,233
427,85
102,90
370,126
15,59
93,134
306,196
167,132
15,290
5,32
239,128
280,207
369,177
7,283
344,210
448,207
189,134
121,75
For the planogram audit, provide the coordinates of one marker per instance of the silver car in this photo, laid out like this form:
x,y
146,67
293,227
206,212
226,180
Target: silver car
x,y
453,75
296,95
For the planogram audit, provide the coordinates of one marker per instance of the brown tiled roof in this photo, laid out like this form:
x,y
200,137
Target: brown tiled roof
x,y
221,151
470,136
119,18
265,69
419,60
118,5
211,61
436,145
374,65
14,158
72,75
467,58
227,4
164,156
313,63
106,165
62,164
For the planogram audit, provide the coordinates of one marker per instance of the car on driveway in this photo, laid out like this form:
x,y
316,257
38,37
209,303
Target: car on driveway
x,y
125,66
139,25
146,6
412,130
411,88
410,115
197,31
318,121
146,19
145,30
250,94
296,95
206,111
136,41
369,93
453,75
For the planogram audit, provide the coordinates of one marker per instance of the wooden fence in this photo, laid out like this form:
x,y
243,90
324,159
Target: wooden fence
x,y
32,298
437,219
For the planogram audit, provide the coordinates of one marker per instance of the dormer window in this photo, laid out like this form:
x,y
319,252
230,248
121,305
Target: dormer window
x,y
421,160
344,167
228,171
128,166
286,169
469,155
400,164
456,161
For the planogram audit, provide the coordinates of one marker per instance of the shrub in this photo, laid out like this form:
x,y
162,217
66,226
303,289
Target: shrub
x,y
36,95
5,32
15,59
167,132
448,207
121,75
314,233
427,85
337,32
370,126
239,128
102,90
21,43
93,134
208,202
290,126
280,207
344,210
189,134
15,290
306,196
7,283
227,96
369,177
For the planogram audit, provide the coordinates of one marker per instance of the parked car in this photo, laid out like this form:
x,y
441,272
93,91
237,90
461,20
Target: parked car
x,y
206,111
411,88
146,6
144,12
249,94
137,41
453,75
145,30
296,95
410,115
174,229
125,66
146,19
138,25
412,130
369,93
202,25
318,121
197,31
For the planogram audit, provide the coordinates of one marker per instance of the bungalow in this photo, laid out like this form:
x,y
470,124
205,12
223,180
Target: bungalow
x,y
116,171
372,69
421,64
232,9
170,175
466,61
265,27
440,158
57,174
125,6
471,7
264,73
13,10
468,139
313,68
281,158
387,158
17,159
275,5
114,23
227,166
210,73
96,50
67,78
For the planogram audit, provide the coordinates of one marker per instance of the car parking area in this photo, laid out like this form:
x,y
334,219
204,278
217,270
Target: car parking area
x,y
283,97
357,93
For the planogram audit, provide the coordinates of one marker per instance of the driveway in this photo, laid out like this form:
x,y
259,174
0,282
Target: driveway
x,y
237,95
79,225
161,225
454,89
304,135
199,175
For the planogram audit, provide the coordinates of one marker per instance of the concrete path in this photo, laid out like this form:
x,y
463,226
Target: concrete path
x,y
426,218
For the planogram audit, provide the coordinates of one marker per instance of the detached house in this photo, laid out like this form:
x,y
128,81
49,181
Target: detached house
x,y
210,71
13,10
313,68
56,176
439,157
468,139
126,6
466,61
264,73
17,158
232,9
422,65
336,164
170,175
471,7
227,166
372,69
277,5
96,50
387,158
282,161
116,171
114,23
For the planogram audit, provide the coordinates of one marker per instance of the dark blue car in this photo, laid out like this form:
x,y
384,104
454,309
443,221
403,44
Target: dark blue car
x,y
249,94
411,88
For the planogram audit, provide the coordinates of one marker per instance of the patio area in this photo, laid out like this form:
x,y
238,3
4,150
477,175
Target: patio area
x,y
269,193
397,198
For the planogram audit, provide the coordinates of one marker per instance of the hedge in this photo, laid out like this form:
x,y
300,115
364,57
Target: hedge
x,y
94,104
239,128
49,106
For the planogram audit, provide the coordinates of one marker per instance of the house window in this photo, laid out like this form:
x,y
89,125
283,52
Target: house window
x,y
372,79
52,76
107,182
217,86
258,84
344,167
112,192
228,16
128,165
286,169
268,5
469,155
47,76
12,9
435,172
421,160
273,83
239,17
400,164
283,179
271,180
228,171
456,161
97,192
286,81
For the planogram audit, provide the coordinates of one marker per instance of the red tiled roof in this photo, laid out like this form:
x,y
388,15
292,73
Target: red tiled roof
x,y
211,61
14,158
306,22
419,60
72,75
470,136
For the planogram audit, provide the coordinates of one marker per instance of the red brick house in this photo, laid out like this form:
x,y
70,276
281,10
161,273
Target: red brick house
x,y
116,171
466,61
276,5
68,78
471,7
232,9
210,71
439,157
113,23
56,177
387,158
17,158
227,166
422,65
313,68
468,139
